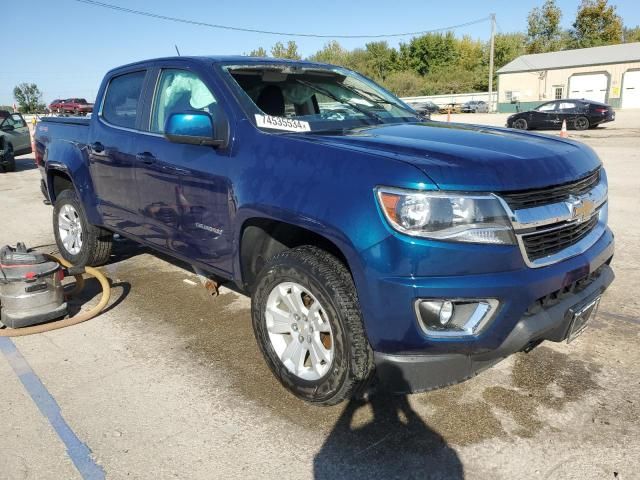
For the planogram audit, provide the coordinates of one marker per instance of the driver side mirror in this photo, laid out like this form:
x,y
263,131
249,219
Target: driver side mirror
x,y
195,128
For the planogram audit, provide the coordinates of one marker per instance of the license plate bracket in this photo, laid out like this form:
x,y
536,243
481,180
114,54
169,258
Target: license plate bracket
x,y
580,316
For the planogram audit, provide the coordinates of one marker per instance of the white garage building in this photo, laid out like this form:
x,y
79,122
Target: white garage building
x,y
609,74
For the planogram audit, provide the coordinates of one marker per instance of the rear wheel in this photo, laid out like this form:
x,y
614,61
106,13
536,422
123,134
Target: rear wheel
x,y
10,159
307,322
520,124
78,241
582,123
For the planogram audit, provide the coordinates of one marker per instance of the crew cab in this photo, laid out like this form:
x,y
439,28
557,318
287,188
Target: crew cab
x,y
376,246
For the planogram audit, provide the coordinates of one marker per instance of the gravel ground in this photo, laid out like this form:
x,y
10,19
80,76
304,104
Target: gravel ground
x,y
169,382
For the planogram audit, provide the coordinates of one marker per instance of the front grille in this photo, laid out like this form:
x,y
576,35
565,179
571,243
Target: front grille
x,y
546,196
547,242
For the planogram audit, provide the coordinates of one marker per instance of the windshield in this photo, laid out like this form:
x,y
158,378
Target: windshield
x,y
302,99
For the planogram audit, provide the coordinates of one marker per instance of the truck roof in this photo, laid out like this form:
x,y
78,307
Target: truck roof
x,y
225,59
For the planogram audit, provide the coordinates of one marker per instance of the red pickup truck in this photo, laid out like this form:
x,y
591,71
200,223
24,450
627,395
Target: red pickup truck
x,y
77,106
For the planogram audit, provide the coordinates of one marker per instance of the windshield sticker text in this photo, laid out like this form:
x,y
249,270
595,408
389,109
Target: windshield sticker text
x,y
281,123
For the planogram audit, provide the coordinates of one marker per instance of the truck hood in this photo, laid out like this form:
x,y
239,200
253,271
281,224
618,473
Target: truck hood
x,y
473,157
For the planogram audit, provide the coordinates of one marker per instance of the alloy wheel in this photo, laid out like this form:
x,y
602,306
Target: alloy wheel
x,y
299,331
70,229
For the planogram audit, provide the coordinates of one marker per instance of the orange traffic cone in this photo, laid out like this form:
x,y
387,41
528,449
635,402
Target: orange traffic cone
x,y
563,130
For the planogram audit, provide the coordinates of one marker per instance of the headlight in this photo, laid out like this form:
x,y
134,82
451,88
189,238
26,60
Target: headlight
x,y
446,216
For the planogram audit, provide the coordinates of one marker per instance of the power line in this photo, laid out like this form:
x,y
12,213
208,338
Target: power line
x,y
268,32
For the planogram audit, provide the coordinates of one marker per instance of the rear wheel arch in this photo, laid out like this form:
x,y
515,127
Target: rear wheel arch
x,y
57,182
261,239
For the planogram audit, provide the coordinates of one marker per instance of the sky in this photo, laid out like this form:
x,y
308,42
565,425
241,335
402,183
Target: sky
x,y
72,44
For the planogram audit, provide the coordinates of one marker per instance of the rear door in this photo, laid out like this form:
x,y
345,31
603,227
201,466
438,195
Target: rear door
x,y
112,150
185,194
568,111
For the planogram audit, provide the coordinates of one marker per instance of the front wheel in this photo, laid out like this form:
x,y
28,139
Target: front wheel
x,y
307,322
520,124
79,242
582,123
9,159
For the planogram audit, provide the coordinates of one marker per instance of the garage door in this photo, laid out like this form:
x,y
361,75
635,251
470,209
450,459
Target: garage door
x,y
589,87
631,90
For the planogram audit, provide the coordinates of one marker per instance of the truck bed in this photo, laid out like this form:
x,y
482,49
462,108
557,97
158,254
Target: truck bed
x,y
67,120
65,129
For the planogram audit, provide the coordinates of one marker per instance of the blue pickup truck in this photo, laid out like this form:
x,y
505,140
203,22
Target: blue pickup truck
x,y
376,245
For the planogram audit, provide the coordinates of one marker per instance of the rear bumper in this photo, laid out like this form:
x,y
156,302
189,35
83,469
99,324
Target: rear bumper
x,y
414,373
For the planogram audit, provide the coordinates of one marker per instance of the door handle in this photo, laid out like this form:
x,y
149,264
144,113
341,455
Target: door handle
x,y
97,147
146,158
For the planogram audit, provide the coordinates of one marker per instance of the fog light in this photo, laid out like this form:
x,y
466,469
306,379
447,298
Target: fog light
x,y
459,317
446,312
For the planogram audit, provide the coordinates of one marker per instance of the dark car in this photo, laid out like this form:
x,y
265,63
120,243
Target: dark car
x,y
425,108
475,106
579,114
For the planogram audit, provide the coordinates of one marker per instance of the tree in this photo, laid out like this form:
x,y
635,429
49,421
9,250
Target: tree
x,y
380,58
429,51
543,31
29,98
332,53
258,52
597,23
405,83
290,51
632,34
508,47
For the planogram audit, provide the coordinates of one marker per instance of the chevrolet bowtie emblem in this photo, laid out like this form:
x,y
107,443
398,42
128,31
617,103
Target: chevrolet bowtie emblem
x,y
582,209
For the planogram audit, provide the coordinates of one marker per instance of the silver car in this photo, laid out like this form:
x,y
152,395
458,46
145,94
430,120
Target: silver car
x,y
14,139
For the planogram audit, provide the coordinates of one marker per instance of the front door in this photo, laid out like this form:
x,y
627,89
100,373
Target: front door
x,y
185,195
15,132
112,149
545,116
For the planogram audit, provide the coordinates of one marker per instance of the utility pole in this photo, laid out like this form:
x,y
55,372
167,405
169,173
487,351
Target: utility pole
x,y
492,41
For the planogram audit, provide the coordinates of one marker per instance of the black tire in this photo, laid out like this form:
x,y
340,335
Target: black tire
x,y
96,241
520,124
330,282
10,159
581,123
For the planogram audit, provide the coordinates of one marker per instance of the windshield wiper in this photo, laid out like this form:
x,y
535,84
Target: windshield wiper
x,y
327,93
374,97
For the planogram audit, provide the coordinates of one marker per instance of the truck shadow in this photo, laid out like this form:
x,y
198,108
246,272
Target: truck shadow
x,y
391,442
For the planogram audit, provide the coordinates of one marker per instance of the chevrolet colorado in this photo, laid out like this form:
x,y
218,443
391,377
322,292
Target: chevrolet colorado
x,y
374,244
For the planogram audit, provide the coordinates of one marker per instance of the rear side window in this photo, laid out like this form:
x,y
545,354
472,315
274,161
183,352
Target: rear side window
x,y
121,103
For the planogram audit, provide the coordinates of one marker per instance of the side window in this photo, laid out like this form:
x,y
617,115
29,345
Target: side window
x,y
18,121
120,105
547,107
566,106
181,91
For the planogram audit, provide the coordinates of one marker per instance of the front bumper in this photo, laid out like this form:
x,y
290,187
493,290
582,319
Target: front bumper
x,y
414,373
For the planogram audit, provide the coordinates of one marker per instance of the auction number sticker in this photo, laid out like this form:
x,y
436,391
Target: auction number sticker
x,y
282,123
